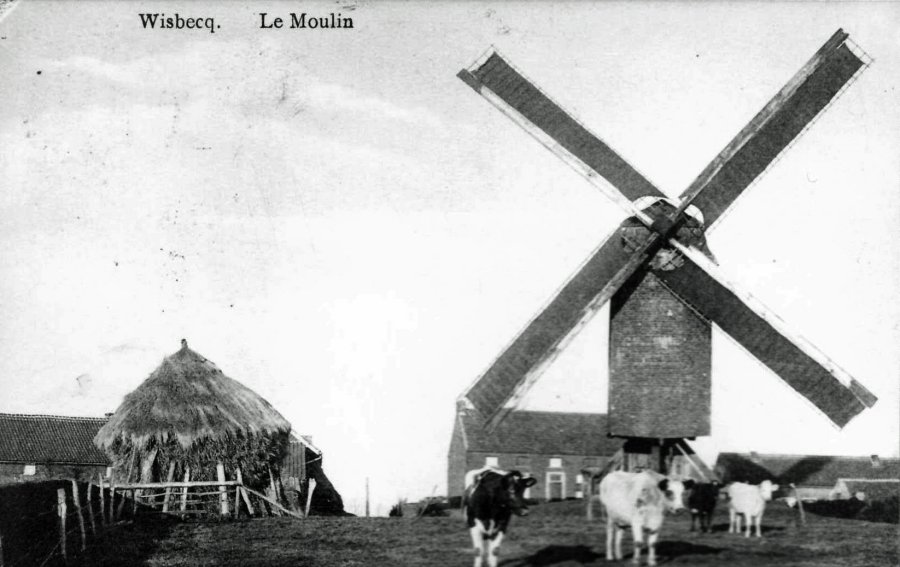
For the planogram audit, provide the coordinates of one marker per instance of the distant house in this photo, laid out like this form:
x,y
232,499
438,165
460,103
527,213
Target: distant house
x,y
554,447
817,477
43,447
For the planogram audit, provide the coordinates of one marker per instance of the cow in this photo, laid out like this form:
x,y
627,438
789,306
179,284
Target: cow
x,y
639,500
702,503
749,500
490,499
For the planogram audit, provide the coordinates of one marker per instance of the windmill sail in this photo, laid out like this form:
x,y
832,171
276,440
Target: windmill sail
x,y
783,119
503,86
799,364
608,268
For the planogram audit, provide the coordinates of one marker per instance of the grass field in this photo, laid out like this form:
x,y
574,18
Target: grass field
x,y
554,534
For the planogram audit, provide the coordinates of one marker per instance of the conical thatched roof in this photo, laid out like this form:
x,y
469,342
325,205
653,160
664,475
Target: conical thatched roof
x,y
189,399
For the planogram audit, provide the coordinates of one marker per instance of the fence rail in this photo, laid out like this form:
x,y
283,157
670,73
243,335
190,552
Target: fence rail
x,y
85,510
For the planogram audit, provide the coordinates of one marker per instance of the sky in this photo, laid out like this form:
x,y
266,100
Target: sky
x,y
338,222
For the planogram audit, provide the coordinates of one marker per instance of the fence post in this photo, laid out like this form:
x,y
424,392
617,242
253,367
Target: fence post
x,y
799,505
102,500
77,502
122,504
223,495
187,477
165,506
244,495
61,510
272,492
309,493
112,497
90,508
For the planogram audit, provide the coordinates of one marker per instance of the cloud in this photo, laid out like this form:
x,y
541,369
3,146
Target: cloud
x,y
125,74
333,97
172,75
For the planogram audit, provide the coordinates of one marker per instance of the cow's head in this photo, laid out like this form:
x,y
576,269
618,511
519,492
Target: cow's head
x,y
766,488
514,484
673,492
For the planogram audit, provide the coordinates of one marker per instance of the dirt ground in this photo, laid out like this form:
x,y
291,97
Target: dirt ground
x,y
554,534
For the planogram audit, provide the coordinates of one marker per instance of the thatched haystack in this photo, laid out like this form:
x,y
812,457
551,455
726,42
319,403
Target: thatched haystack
x,y
189,413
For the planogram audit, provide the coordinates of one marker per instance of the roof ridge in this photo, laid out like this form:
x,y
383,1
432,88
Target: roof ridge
x,y
548,412
51,416
802,456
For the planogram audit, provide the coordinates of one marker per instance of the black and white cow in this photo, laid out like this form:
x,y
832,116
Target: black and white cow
x,y
702,502
491,497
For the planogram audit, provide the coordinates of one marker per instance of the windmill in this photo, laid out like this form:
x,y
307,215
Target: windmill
x,y
663,284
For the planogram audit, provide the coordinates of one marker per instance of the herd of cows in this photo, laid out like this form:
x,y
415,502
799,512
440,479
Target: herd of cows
x,y
638,500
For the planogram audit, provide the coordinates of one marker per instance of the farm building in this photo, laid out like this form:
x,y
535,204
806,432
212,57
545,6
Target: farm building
x,y
554,447
43,447
817,477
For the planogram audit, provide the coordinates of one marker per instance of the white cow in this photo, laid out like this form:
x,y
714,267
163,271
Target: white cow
x,y
638,500
749,500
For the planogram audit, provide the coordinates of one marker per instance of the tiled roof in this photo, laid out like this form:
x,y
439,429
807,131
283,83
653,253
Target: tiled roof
x,y
50,439
802,470
873,490
537,432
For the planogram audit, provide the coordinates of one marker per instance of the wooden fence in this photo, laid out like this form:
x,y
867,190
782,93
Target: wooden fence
x,y
83,511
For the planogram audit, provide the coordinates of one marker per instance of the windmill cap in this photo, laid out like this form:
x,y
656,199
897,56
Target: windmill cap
x,y
691,211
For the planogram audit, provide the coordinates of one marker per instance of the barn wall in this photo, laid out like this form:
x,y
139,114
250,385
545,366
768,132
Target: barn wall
x,y
538,465
11,473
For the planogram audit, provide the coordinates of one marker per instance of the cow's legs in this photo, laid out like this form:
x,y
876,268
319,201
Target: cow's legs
x,y
651,546
620,533
737,522
610,532
731,518
749,520
493,549
477,544
637,532
694,519
759,524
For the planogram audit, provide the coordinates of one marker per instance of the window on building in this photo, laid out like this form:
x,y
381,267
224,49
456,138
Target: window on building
x,y
108,472
491,461
29,470
579,486
556,485
522,461
556,463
